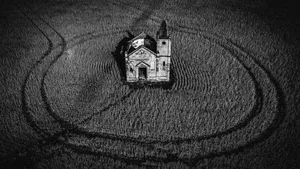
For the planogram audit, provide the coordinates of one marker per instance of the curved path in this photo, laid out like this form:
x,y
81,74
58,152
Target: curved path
x,y
267,92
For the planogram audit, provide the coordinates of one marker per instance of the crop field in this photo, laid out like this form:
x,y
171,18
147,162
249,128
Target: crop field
x,y
233,103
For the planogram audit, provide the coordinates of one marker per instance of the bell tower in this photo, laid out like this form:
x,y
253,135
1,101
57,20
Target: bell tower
x,y
163,53
163,41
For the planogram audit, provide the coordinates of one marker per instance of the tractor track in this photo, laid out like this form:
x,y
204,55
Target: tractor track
x,y
255,109
47,138
279,92
71,128
25,107
254,112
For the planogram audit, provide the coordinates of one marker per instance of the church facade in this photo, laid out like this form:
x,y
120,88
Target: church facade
x,y
147,59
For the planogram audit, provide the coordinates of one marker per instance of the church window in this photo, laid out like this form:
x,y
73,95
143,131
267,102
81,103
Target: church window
x,y
131,70
164,65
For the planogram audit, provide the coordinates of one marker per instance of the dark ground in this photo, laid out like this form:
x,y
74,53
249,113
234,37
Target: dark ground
x,y
22,145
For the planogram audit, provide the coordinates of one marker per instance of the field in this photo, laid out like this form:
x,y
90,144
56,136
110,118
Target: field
x,y
234,102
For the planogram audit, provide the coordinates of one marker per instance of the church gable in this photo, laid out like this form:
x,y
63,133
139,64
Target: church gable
x,y
141,53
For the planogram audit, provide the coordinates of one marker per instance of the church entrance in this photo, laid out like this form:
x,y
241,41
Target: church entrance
x,y
142,73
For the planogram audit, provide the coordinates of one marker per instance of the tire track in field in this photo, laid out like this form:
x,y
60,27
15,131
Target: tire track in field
x,y
55,138
171,157
146,14
94,135
257,106
47,137
67,127
72,128
62,122
25,107
104,108
74,42
279,116
232,48
42,89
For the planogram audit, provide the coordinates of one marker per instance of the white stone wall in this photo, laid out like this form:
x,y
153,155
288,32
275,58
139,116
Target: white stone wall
x,y
134,61
164,47
163,65
163,59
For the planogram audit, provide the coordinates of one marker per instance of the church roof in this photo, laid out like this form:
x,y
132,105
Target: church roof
x,y
142,35
144,47
149,42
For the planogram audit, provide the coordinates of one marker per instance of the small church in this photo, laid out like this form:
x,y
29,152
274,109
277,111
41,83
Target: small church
x,y
147,59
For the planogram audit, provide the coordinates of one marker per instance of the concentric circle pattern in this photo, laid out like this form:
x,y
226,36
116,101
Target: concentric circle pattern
x,y
222,99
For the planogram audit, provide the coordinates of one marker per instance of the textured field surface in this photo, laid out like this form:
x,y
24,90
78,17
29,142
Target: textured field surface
x,y
233,104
